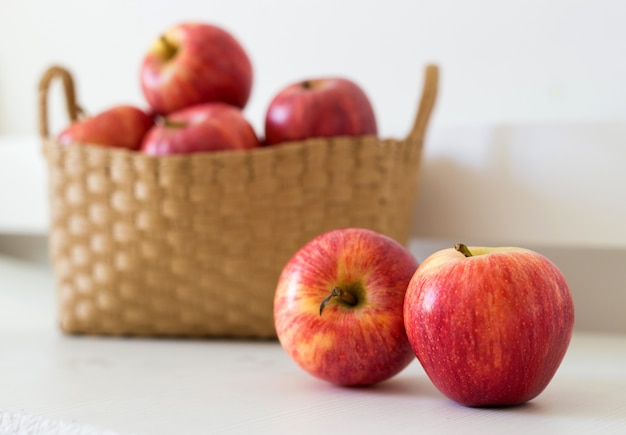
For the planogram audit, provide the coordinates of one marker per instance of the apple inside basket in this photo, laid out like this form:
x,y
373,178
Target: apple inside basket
x,y
193,245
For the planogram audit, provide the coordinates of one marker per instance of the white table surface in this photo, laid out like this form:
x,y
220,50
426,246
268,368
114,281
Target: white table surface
x,y
53,383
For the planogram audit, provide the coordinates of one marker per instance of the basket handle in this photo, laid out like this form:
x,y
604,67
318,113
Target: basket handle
x,y
429,95
73,109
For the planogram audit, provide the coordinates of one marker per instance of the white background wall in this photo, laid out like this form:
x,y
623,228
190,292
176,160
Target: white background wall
x,y
503,61
527,143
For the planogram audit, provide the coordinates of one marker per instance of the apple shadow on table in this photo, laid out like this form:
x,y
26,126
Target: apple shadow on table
x,y
420,387
414,385
575,398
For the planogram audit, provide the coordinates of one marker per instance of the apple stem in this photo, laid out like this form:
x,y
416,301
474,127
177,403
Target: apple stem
x,y
307,84
170,49
463,249
174,124
337,292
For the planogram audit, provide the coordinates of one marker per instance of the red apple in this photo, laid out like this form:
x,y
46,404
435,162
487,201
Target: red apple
x,y
118,127
194,63
338,307
490,326
205,127
319,108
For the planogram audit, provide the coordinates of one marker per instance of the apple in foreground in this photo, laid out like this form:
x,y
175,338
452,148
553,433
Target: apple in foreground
x,y
201,128
119,127
490,326
194,63
324,107
338,307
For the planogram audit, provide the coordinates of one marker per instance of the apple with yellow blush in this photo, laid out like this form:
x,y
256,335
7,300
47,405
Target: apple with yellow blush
x,y
338,307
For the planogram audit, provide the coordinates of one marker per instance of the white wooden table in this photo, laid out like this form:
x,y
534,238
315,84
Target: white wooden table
x,y
52,383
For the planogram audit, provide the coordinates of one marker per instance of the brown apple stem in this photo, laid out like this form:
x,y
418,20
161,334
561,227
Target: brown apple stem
x,y
307,84
170,49
463,249
174,124
337,292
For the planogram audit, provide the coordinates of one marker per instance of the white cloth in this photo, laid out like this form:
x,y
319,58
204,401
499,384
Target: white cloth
x,y
22,423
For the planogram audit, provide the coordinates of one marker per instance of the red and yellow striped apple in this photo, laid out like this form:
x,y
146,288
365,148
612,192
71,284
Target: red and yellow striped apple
x,y
193,63
120,126
338,307
200,128
323,107
490,326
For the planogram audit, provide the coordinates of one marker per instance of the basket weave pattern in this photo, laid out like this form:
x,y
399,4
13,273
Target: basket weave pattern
x,y
193,245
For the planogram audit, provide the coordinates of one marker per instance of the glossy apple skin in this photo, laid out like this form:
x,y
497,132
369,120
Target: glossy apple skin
x,y
490,329
201,128
199,63
118,127
346,345
325,107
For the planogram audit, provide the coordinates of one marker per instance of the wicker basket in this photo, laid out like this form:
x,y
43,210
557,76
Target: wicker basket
x,y
193,245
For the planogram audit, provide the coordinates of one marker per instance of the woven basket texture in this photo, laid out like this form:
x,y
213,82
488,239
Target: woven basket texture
x,y
193,245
